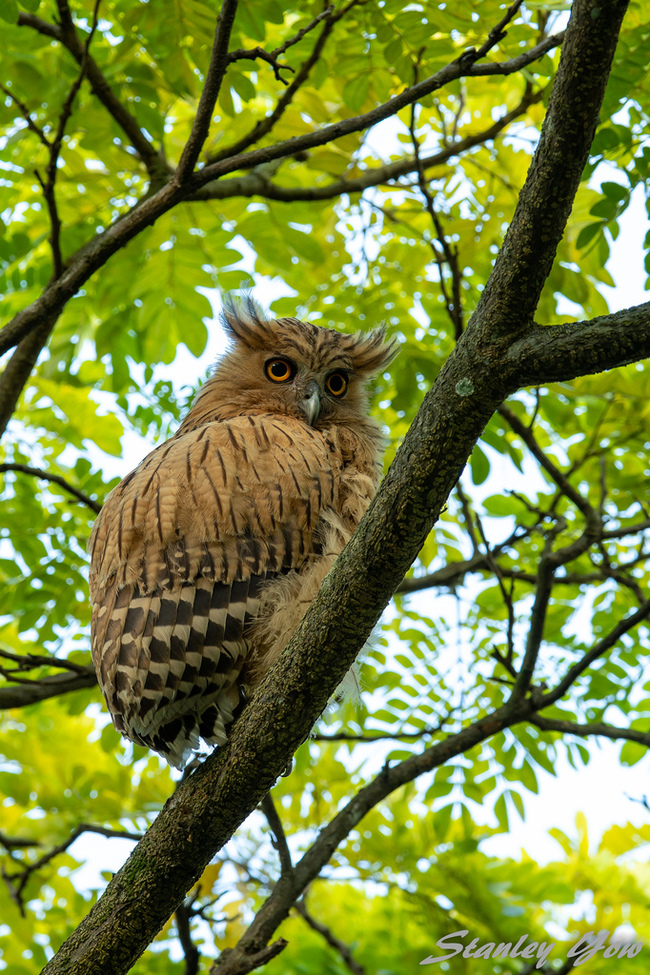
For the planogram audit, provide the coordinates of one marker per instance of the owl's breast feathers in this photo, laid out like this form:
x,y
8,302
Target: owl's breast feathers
x,y
180,553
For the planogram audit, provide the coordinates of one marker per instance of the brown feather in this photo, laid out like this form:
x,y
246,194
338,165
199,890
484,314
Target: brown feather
x,y
205,558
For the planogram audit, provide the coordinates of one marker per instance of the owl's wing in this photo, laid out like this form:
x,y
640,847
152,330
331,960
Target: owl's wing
x,y
179,553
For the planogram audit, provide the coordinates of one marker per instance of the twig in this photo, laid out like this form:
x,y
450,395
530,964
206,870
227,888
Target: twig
x,y
527,435
397,736
55,147
31,692
96,251
607,642
330,938
452,303
191,952
54,479
507,596
498,33
254,53
27,869
17,842
600,729
26,114
29,661
279,839
323,15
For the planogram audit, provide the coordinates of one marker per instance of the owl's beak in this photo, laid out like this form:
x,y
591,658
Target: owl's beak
x,y
310,405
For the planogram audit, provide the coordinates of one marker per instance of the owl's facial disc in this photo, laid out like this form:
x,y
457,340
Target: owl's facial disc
x,y
310,404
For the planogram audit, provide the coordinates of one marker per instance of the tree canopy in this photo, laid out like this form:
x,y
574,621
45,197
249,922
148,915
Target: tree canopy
x,y
458,171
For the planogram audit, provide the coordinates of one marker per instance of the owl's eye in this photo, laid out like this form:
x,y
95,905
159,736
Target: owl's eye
x,y
337,383
279,370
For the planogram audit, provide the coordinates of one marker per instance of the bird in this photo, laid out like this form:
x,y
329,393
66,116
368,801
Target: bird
x,y
205,558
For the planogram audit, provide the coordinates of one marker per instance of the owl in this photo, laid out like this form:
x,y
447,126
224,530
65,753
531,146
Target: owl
x,y
205,558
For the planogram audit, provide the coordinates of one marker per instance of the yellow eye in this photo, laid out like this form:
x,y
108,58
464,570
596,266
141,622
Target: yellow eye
x,y
337,383
279,370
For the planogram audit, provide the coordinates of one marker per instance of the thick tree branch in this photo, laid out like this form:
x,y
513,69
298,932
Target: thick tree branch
x,y
20,366
554,175
556,353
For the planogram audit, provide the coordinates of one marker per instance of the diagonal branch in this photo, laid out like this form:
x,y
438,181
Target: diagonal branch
x,y
340,946
263,127
20,366
459,68
599,648
279,841
26,114
219,61
256,184
17,880
67,35
453,305
53,479
554,175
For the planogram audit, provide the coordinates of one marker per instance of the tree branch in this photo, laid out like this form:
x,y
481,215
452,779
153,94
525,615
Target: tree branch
x,y
219,61
554,175
53,479
67,35
600,729
257,183
31,692
336,130
191,952
20,366
331,939
557,353
607,642
17,881
279,840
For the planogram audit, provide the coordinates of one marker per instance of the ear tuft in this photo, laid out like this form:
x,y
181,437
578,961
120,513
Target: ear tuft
x,y
371,352
245,321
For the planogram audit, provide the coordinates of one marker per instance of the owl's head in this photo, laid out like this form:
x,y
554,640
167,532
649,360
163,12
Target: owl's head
x,y
291,368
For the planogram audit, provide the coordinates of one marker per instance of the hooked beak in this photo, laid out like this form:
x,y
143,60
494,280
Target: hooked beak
x,y
310,405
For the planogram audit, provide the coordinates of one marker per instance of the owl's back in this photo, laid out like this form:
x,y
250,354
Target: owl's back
x,y
181,553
